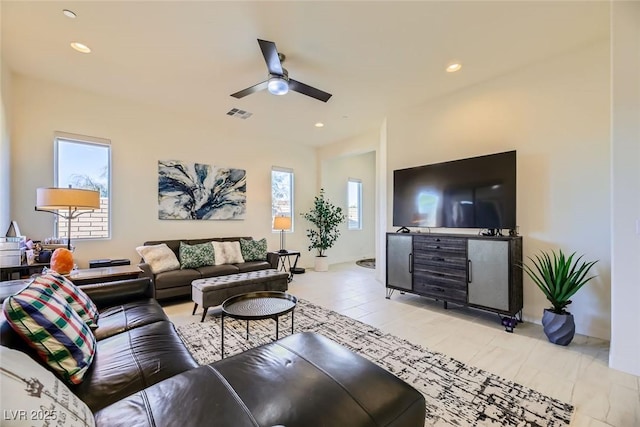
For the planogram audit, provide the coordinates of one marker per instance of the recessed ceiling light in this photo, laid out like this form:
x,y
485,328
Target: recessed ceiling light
x,y
453,67
69,13
319,125
80,47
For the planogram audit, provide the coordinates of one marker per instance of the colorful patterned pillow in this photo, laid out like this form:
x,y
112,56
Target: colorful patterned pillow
x,y
194,256
159,257
254,250
30,392
227,253
53,329
74,296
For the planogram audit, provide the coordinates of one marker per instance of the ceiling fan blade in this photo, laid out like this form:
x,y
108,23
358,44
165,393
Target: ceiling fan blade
x,y
248,91
270,54
308,90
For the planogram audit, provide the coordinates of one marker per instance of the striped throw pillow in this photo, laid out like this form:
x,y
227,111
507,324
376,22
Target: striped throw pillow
x,y
65,289
53,329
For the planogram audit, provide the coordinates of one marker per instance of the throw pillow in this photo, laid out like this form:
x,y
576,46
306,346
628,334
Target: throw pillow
x,y
254,250
159,257
49,325
74,296
227,252
194,256
31,395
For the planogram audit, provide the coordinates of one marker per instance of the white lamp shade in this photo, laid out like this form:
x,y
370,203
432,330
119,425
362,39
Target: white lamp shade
x,y
282,223
65,198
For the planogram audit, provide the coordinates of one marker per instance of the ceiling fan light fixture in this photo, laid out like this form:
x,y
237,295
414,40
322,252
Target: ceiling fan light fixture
x,y
278,85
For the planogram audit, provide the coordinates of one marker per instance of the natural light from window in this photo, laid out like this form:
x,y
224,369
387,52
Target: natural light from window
x,y
82,162
354,215
282,194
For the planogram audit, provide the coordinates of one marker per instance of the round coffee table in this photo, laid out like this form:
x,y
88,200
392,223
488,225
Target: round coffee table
x,y
257,306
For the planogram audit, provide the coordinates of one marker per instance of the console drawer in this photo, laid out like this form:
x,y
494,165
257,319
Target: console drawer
x,y
443,293
444,260
452,245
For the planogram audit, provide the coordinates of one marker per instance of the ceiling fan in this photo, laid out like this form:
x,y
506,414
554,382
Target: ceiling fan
x,y
279,82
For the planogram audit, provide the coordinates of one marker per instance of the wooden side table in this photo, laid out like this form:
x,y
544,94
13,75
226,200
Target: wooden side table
x,y
286,257
104,274
6,273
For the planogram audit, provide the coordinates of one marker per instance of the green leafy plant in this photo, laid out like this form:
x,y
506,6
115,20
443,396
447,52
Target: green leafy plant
x,y
325,217
559,277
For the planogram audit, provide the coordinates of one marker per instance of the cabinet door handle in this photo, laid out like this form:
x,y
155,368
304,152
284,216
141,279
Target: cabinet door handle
x,y
469,267
435,258
410,262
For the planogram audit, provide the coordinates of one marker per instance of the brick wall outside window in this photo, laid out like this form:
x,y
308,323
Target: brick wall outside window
x,y
91,225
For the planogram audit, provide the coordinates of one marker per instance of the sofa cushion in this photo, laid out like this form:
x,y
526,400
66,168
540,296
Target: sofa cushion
x,y
217,270
53,329
24,382
252,266
159,257
227,252
254,250
72,294
132,360
199,397
194,256
173,278
130,315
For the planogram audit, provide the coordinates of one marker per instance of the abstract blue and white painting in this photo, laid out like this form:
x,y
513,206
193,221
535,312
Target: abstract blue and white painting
x,y
199,191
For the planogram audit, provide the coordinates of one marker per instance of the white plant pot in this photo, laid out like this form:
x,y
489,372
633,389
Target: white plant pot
x,y
321,263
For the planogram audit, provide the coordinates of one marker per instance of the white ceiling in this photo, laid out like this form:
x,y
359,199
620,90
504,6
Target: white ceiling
x,y
374,57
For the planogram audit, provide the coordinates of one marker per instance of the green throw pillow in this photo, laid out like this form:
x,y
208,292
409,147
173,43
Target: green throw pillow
x,y
194,256
254,250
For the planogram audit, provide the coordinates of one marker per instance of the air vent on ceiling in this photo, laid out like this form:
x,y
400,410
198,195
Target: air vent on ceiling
x,y
235,112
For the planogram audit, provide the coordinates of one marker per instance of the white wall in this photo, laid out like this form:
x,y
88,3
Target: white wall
x,y
556,115
140,136
335,164
5,149
625,175
352,244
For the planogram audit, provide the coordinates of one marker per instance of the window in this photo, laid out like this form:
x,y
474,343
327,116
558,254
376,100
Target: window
x,y
84,162
354,203
281,194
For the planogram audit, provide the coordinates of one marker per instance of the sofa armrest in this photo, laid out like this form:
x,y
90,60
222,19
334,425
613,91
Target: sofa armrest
x,y
273,259
118,292
146,271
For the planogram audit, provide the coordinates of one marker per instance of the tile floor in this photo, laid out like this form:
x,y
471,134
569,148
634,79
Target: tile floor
x,y
577,374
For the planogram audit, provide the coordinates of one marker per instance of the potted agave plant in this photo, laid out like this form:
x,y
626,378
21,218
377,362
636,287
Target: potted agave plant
x,y
559,277
325,217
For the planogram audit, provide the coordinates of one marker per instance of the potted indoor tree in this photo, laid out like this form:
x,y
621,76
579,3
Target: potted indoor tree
x,y
559,277
325,217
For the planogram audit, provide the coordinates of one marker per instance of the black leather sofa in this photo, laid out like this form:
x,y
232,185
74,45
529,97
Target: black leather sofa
x,y
177,283
143,375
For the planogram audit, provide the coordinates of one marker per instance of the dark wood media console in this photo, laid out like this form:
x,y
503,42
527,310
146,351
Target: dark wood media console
x,y
477,271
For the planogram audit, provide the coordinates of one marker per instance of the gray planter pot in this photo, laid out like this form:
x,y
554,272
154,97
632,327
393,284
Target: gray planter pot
x,y
559,328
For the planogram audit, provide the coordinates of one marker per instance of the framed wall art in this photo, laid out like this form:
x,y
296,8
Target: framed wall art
x,y
199,191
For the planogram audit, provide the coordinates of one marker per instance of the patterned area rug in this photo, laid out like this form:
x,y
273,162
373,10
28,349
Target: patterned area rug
x,y
367,263
456,394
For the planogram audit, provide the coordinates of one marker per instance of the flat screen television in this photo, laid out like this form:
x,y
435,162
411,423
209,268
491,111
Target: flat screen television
x,y
478,192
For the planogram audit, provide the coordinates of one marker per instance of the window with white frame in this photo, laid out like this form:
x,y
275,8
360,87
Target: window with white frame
x,y
354,204
281,194
84,162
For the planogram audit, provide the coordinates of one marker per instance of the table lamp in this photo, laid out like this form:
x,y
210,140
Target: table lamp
x,y
68,200
282,223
